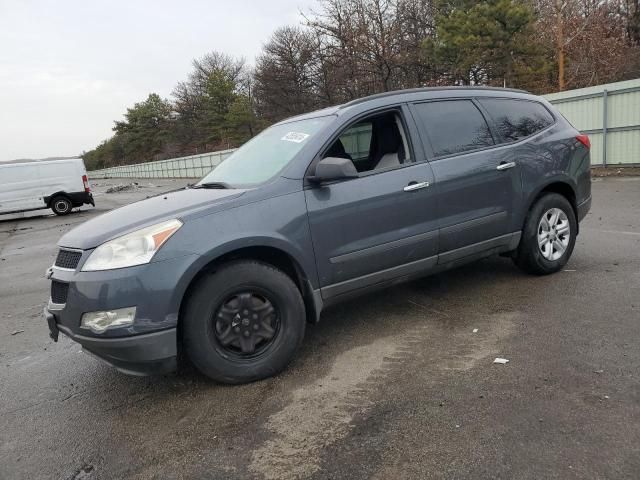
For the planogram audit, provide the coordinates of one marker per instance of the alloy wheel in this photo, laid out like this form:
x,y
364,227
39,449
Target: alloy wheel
x,y
554,233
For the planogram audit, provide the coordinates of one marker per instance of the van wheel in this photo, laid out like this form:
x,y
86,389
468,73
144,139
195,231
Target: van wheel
x,y
244,322
61,205
548,237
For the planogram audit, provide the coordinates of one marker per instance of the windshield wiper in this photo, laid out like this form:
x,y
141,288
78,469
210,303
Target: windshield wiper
x,y
220,185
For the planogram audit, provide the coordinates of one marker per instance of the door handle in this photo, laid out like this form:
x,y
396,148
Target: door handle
x,y
506,165
416,186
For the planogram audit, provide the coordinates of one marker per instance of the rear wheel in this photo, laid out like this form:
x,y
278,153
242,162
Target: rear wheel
x,y
244,322
61,205
548,237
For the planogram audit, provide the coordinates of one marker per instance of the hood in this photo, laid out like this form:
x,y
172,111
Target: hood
x,y
178,204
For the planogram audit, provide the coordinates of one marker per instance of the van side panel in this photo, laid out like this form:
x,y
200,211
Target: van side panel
x,y
19,188
61,177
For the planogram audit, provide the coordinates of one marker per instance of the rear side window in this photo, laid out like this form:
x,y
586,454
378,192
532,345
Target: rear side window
x,y
454,126
517,119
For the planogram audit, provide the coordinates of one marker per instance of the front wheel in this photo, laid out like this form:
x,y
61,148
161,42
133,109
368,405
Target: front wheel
x,y
548,237
244,322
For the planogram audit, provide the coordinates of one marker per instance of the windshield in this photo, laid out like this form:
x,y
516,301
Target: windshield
x,y
266,154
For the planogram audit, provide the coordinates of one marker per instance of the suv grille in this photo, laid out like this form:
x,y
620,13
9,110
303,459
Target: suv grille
x,y
68,259
59,292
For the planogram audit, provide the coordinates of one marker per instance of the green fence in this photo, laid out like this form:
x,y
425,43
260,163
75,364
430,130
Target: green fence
x,y
193,166
610,115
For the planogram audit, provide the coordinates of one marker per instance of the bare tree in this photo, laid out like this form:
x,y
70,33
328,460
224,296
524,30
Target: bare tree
x,y
373,45
590,41
288,75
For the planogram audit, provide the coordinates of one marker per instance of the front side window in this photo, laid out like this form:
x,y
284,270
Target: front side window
x,y
454,126
374,143
357,141
517,119
265,155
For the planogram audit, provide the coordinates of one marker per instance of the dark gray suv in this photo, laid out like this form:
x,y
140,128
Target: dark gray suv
x,y
316,209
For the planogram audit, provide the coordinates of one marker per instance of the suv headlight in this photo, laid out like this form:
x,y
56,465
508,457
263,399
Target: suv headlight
x,y
135,248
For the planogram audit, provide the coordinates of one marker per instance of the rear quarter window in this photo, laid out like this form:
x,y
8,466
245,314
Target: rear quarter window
x,y
517,119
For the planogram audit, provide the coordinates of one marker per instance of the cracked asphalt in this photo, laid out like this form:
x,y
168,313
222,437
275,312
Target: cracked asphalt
x,y
391,385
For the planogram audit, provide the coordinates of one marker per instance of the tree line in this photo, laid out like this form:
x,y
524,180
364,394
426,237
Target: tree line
x,y
348,49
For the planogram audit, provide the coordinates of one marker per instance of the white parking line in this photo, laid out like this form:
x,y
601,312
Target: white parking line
x,y
621,232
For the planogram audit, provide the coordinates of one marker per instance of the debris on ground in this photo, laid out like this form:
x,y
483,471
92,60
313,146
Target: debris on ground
x,y
84,472
16,332
501,361
123,187
612,171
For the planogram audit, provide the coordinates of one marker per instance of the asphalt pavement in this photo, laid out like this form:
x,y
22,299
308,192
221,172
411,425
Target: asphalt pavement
x,y
399,384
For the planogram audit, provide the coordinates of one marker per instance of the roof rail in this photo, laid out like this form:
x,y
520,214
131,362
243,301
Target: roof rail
x,y
425,89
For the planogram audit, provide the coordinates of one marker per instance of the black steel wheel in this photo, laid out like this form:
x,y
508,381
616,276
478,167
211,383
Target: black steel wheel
x,y
244,322
61,205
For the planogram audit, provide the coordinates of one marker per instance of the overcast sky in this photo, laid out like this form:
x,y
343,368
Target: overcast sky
x,y
69,68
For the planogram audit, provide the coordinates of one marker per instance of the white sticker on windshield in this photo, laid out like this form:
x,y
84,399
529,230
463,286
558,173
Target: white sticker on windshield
x,y
296,137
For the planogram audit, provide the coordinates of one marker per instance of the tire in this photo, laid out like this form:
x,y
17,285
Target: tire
x,y
61,205
548,256
231,304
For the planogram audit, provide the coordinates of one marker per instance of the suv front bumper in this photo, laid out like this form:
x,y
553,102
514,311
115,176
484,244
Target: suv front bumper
x,y
146,354
147,346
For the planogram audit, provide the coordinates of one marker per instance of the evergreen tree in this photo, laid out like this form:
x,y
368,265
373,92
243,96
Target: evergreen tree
x,y
146,128
484,42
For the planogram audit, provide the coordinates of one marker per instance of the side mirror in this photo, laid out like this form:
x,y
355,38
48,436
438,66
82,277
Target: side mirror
x,y
334,168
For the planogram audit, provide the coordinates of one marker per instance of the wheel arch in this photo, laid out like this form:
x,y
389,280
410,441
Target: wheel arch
x,y
48,200
266,252
560,186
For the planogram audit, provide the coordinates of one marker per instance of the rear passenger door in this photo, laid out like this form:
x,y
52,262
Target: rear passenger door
x,y
477,184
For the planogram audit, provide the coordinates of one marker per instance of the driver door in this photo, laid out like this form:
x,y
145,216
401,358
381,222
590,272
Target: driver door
x,y
381,225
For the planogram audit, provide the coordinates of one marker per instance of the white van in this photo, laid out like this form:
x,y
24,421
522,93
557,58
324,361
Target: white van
x,y
35,184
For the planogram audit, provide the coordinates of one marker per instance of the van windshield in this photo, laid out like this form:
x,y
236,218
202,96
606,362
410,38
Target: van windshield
x,y
265,155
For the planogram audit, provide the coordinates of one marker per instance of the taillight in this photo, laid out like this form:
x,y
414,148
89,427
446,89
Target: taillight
x,y
85,181
584,139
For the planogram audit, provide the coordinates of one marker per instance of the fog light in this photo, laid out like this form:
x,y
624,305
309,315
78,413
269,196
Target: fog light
x,y
98,322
